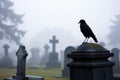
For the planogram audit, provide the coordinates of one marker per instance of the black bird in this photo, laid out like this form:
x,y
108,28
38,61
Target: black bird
x,y
86,30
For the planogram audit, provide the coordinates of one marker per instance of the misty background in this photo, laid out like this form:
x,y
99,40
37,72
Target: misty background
x,y
44,18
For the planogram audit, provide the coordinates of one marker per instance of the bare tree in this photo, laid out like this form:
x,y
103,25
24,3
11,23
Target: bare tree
x,y
9,21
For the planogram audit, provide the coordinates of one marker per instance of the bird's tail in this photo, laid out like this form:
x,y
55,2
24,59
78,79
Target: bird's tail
x,y
95,39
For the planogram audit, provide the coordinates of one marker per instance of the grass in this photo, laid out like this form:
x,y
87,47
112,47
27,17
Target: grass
x,y
48,74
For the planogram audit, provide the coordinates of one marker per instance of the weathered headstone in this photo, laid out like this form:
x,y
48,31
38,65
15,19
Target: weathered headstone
x,y
21,66
6,61
45,57
116,68
66,70
53,56
90,62
34,60
62,58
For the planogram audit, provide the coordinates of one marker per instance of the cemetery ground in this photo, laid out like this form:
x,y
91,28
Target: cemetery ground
x,y
48,74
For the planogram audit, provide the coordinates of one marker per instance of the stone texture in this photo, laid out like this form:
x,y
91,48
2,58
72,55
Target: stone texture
x,y
21,64
90,62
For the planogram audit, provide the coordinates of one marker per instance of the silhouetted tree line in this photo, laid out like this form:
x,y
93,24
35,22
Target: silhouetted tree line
x,y
9,22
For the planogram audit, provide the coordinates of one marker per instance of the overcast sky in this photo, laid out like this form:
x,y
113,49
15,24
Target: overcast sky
x,y
51,17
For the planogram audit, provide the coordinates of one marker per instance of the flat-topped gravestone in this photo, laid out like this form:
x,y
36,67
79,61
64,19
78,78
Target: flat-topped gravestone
x,y
6,61
90,62
34,60
116,68
66,70
45,57
21,66
53,56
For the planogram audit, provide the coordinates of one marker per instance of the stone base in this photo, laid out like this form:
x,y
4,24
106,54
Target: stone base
x,y
28,77
90,62
66,72
116,78
53,65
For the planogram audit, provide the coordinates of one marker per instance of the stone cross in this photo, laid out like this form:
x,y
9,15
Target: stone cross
x,y
6,46
46,47
21,64
54,41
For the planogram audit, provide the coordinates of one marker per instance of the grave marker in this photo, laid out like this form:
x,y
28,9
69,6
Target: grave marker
x,y
116,68
53,56
66,70
6,61
21,66
45,57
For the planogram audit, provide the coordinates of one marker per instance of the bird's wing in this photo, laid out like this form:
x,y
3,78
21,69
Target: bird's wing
x,y
85,29
91,34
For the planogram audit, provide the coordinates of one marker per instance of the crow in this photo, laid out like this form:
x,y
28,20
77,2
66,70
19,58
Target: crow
x,y
86,30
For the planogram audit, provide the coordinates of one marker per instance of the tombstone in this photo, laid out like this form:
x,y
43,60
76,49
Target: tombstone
x,y
116,68
53,56
66,71
21,61
90,62
62,58
21,66
45,57
34,60
6,61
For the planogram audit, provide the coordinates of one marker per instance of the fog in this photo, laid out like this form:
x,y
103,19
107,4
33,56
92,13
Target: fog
x,y
42,15
45,18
